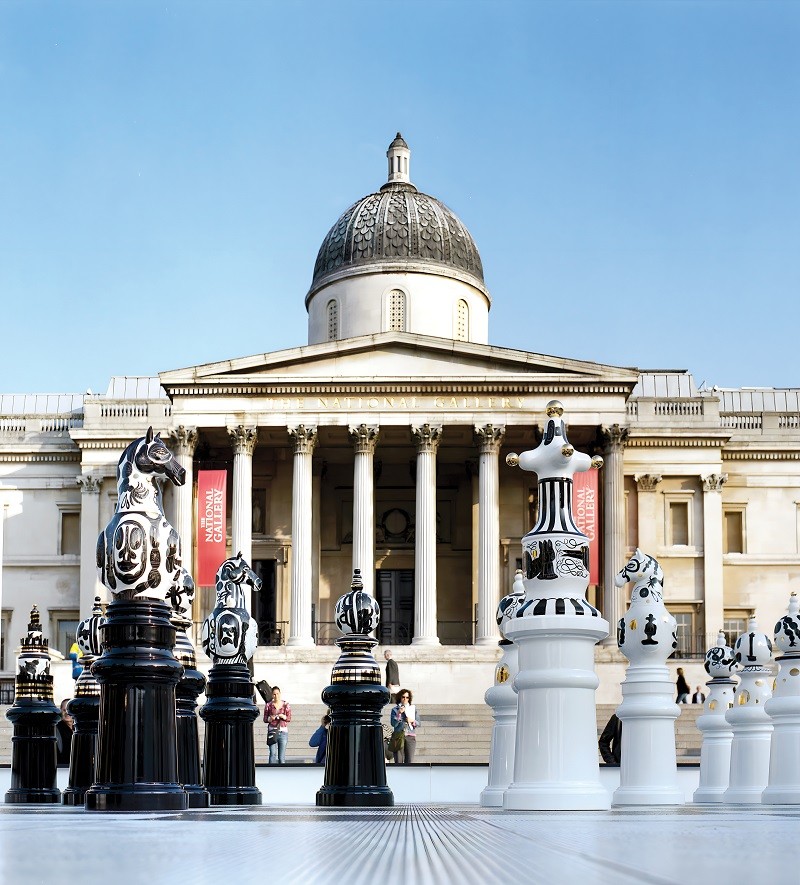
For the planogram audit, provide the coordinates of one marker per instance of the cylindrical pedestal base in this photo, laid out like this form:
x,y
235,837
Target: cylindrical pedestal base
x,y
137,767
784,764
355,767
555,757
85,711
750,750
229,753
189,773
33,752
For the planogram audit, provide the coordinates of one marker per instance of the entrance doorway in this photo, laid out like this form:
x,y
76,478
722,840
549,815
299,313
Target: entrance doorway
x,y
396,599
264,603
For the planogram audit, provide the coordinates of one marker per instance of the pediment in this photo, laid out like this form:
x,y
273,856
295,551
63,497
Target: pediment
x,y
395,355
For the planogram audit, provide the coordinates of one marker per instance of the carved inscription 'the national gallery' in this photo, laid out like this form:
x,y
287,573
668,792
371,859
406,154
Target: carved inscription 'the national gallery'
x,y
383,403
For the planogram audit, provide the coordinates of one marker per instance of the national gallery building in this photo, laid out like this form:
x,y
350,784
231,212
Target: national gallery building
x,y
381,445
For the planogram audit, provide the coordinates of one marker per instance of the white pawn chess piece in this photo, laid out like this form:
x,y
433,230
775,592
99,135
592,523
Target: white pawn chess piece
x,y
502,698
784,708
752,726
646,636
715,751
556,629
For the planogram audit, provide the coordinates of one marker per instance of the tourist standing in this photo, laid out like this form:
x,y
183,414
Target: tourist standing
x,y
277,715
64,731
392,673
320,740
405,713
698,697
682,687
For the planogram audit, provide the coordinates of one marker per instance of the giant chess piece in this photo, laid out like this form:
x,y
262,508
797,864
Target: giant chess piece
x,y
190,686
85,709
139,561
34,715
230,639
752,726
715,751
784,708
646,636
556,630
355,767
502,698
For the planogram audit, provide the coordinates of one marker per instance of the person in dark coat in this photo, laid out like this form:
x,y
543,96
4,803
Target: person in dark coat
x,y
392,673
320,740
682,687
610,742
64,728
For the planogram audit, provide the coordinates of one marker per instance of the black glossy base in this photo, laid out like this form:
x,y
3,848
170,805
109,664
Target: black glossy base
x,y
196,796
354,797
73,798
142,799
33,797
242,796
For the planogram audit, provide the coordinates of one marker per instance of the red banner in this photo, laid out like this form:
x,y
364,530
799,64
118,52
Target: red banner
x,y
585,507
211,546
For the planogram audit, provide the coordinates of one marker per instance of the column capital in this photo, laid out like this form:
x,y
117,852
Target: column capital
x,y
427,437
183,440
489,437
89,483
364,437
305,438
613,438
647,482
714,482
243,439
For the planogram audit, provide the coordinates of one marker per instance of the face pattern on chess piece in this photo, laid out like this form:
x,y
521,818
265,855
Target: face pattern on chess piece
x,y
787,630
88,633
229,636
720,662
647,631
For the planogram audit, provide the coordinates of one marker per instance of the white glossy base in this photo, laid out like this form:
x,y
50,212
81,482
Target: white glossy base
x,y
709,796
647,796
781,796
587,796
492,797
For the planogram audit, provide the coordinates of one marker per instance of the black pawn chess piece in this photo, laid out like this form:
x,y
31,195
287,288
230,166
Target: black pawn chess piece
x,y
190,686
355,766
85,710
34,715
230,639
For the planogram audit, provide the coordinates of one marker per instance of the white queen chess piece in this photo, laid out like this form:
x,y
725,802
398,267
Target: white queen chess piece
x,y
556,629
715,751
646,636
752,726
502,698
784,708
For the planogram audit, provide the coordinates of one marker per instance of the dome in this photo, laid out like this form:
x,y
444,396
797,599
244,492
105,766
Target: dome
x,y
398,228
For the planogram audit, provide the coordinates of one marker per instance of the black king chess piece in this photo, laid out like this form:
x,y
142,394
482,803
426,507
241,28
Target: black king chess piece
x,y
191,685
230,639
34,715
139,561
355,767
85,710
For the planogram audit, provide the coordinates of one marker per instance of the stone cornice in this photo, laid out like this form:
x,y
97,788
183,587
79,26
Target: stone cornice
x,y
39,457
760,455
675,442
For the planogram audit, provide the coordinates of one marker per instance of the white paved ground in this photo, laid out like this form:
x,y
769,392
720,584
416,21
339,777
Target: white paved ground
x,y
407,844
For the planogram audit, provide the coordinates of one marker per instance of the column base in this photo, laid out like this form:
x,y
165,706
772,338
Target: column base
x,y
32,797
647,796
708,797
432,641
300,642
743,796
355,797
487,641
557,797
238,796
789,795
150,797
492,797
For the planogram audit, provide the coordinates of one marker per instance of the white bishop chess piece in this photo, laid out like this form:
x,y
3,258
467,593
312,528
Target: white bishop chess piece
x,y
502,698
715,751
752,725
784,708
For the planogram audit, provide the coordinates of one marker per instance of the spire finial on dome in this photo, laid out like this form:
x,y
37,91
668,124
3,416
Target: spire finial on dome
x,y
399,156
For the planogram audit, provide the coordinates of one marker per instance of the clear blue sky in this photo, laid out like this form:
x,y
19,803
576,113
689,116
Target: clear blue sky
x,y
630,172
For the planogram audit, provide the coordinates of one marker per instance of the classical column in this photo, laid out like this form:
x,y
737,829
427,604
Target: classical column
x,y
364,439
427,439
305,439
647,506
713,602
489,438
90,529
243,440
613,438
183,441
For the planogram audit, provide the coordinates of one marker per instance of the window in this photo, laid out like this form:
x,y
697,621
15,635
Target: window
x,y
397,311
70,539
333,320
64,625
5,626
679,523
684,634
733,530
462,321
733,625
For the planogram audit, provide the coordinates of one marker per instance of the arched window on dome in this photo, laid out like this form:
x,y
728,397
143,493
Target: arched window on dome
x,y
462,321
397,311
333,320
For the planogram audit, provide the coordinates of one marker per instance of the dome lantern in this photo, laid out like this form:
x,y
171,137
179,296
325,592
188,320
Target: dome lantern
x,y
399,156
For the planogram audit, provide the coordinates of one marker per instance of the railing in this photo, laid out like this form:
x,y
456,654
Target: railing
x,y
40,423
401,632
693,645
135,410
456,632
742,421
272,632
679,407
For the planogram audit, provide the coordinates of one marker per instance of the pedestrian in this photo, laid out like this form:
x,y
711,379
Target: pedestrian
x,y
277,715
610,742
406,719
392,674
682,687
698,697
64,731
75,655
320,740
